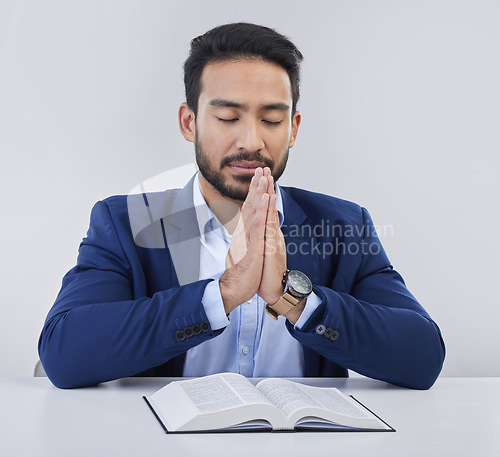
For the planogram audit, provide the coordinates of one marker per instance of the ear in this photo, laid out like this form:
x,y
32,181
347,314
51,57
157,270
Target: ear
x,y
187,122
295,128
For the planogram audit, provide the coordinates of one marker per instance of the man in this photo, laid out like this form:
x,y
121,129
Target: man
x,y
234,273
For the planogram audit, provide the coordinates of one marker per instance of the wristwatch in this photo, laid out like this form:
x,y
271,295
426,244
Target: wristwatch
x,y
297,288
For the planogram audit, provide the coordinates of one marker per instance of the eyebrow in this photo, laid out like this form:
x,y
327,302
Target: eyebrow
x,y
220,102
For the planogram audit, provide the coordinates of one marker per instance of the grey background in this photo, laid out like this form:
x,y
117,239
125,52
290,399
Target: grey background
x,y
400,107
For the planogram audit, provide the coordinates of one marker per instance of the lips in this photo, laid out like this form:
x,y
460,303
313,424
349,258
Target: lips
x,y
245,166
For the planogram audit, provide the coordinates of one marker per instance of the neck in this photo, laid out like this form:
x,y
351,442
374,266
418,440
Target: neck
x,y
225,209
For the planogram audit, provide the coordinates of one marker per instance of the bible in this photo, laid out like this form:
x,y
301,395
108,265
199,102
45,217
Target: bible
x,y
228,402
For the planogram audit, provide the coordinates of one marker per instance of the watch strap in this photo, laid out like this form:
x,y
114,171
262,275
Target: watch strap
x,y
286,302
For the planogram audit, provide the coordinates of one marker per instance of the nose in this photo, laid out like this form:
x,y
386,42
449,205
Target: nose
x,y
249,136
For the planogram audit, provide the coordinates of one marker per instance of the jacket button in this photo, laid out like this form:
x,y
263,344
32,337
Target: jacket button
x,y
196,329
320,329
335,335
179,335
328,332
188,331
331,334
205,326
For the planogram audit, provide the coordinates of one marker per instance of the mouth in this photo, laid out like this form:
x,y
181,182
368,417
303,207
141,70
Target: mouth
x,y
245,167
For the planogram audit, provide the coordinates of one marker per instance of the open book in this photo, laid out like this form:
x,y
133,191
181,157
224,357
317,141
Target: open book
x,y
230,402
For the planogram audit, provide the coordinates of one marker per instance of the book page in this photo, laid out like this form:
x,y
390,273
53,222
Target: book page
x,y
286,395
219,401
303,403
222,391
334,400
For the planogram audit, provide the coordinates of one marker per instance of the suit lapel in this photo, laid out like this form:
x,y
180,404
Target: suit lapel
x,y
183,236
301,243
168,219
302,255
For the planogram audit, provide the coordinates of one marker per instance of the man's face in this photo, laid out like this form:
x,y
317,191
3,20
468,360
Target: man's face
x,y
243,122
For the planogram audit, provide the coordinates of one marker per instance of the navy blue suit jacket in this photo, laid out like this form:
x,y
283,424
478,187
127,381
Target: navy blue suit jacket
x,y
120,307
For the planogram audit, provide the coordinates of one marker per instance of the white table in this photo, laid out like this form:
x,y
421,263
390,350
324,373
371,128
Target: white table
x,y
458,416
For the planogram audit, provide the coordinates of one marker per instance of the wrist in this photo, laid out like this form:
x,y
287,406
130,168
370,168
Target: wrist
x,y
232,292
296,288
294,314
275,297
227,294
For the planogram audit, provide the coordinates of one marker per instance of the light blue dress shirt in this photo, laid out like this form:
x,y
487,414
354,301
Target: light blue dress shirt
x,y
252,343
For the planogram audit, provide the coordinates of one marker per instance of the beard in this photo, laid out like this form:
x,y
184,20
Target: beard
x,y
217,180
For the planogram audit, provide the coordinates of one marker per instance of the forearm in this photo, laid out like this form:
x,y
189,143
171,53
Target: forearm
x,y
396,344
84,344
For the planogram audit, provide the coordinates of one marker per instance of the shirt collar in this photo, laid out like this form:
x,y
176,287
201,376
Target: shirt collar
x,y
204,214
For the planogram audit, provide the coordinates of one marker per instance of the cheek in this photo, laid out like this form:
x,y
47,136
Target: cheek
x,y
278,142
217,139
210,145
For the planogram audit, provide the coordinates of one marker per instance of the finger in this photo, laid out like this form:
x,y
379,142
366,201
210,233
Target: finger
x,y
256,234
269,176
261,186
275,241
253,201
274,235
271,219
270,188
272,205
274,209
247,209
254,183
259,172
248,240
252,197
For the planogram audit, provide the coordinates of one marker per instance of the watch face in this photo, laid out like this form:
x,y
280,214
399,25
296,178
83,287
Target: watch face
x,y
299,282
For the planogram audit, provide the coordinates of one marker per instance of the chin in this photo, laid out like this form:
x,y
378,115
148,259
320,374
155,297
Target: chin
x,y
244,179
238,193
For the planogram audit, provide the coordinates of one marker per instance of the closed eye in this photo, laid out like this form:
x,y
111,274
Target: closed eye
x,y
227,121
271,123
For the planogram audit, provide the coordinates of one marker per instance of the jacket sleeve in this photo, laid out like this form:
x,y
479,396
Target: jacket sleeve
x,y
99,330
376,327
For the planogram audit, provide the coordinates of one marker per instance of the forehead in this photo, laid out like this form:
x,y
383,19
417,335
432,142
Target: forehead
x,y
250,82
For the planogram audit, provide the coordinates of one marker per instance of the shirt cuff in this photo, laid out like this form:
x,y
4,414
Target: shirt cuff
x,y
214,306
312,302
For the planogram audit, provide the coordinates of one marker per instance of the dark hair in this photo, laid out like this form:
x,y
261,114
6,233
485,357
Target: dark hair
x,y
240,41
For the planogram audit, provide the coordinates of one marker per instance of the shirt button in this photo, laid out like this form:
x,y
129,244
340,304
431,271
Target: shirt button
x,y
250,301
245,350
